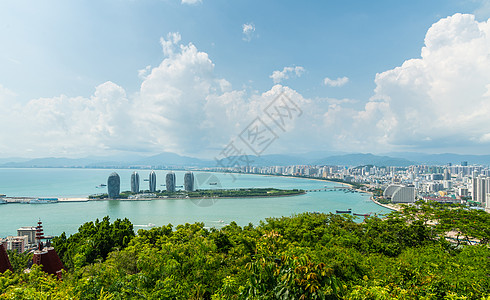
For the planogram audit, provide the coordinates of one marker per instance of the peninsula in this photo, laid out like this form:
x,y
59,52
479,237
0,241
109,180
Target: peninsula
x,y
208,193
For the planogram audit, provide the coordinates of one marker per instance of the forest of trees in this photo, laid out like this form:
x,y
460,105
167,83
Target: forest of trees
x,y
406,255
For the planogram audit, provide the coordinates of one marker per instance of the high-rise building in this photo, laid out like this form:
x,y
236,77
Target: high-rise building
x,y
170,182
487,205
17,243
486,198
446,175
189,181
153,181
29,231
400,194
113,185
474,185
481,185
135,182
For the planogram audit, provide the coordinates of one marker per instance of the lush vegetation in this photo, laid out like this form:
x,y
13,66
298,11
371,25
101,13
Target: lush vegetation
x,y
307,256
218,193
383,200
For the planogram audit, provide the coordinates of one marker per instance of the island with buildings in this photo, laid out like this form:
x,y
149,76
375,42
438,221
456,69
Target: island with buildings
x,y
188,192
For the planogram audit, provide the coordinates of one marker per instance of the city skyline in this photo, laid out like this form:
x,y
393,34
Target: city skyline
x,y
190,76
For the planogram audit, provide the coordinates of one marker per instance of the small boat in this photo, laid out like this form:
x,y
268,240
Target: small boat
x,y
344,211
146,179
101,185
362,215
213,183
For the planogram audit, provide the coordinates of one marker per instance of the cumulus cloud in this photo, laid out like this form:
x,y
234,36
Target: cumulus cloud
x,y
169,44
286,73
182,106
335,82
70,125
437,101
143,72
248,30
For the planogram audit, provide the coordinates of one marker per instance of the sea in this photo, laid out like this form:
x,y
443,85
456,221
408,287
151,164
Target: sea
x,y
80,182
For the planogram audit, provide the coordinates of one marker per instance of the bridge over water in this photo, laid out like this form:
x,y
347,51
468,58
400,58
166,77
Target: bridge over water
x,y
328,189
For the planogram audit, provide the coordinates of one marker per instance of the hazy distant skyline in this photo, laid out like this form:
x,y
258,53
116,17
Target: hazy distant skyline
x,y
81,78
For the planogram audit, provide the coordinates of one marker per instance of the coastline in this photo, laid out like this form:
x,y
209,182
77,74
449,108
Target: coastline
x,y
64,199
388,206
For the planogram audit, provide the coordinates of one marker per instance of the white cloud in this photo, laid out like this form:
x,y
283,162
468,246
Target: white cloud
x,y
70,125
335,82
248,30
437,101
169,44
143,72
286,73
191,2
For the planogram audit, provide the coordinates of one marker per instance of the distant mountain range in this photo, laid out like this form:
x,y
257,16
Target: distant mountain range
x,y
172,160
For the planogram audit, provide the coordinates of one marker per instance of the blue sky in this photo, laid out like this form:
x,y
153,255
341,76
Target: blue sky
x,y
58,57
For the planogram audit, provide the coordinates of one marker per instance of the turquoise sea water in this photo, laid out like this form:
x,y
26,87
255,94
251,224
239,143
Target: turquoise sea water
x,y
67,217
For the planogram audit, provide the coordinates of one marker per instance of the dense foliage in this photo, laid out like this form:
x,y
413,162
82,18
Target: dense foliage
x,y
307,256
93,242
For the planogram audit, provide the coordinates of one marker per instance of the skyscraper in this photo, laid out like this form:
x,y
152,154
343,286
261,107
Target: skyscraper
x,y
170,182
113,185
480,187
153,182
135,182
189,181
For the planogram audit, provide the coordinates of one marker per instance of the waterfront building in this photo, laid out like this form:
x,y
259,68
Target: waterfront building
x,y
113,186
390,190
404,195
170,182
152,182
135,183
17,243
29,231
189,181
400,193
